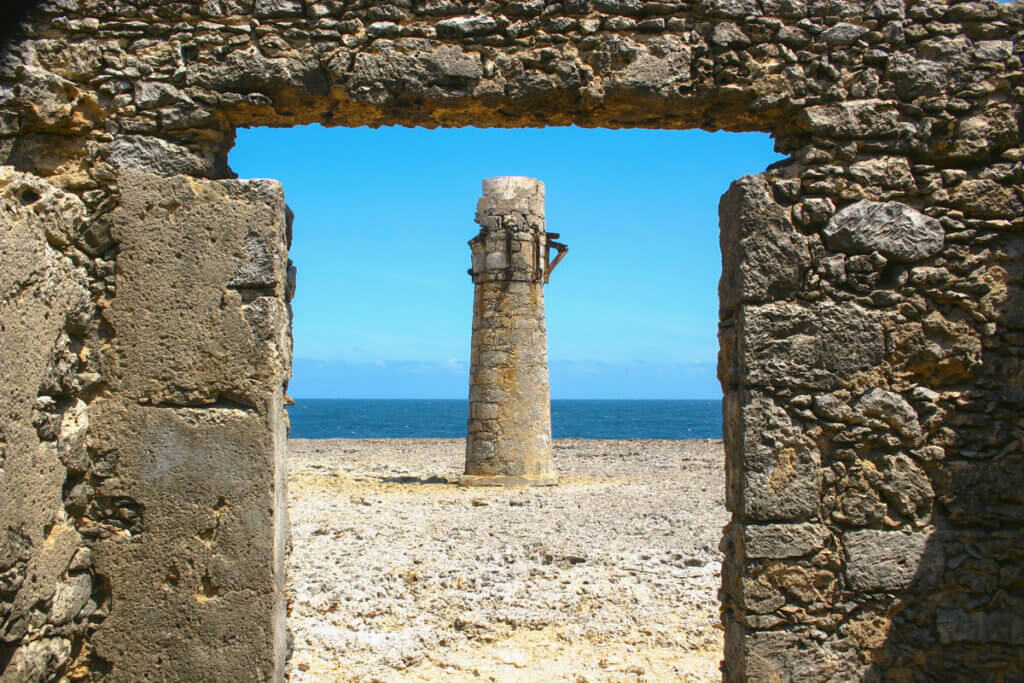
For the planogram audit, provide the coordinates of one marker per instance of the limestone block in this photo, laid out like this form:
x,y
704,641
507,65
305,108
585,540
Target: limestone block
x,y
887,560
735,9
153,155
907,487
200,313
914,76
790,655
206,552
1000,479
265,9
798,345
896,230
887,173
892,409
959,626
783,540
772,468
978,135
475,25
854,119
763,254
986,199
415,67
843,33
289,80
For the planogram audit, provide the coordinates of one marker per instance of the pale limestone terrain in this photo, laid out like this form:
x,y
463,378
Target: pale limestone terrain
x,y
397,574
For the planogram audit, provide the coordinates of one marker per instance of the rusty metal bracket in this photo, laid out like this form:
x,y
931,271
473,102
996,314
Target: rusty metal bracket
x,y
562,249
508,254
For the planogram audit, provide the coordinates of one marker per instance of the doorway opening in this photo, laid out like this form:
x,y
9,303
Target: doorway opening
x,y
396,573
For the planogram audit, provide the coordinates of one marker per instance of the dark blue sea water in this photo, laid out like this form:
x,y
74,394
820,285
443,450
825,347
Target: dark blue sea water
x,y
414,418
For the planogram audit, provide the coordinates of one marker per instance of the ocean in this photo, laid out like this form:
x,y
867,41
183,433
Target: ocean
x,y
441,418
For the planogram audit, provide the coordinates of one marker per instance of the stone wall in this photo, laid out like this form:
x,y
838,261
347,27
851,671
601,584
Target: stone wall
x,y
871,297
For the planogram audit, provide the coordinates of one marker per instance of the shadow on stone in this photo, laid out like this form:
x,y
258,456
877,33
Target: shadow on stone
x,y
963,615
417,480
12,14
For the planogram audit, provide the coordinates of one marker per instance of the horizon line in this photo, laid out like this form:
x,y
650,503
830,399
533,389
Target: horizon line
x,y
446,398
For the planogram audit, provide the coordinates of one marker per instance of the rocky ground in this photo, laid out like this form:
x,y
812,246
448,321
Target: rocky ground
x,y
398,574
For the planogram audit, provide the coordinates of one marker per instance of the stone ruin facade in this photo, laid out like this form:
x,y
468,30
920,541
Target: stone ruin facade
x,y
508,440
872,317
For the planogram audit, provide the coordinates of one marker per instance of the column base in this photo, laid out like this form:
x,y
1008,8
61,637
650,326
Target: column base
x,y
506,480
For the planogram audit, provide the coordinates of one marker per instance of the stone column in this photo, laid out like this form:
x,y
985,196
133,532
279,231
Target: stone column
x,y
509,431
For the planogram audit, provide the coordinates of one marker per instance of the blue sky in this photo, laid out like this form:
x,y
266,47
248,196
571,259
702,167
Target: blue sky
x,y
383,307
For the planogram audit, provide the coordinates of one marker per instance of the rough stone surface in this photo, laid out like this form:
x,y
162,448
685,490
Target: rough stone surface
x,y
400,574
42,294
226,339
783,540
764,256
895,230
193,423
883,560
917,103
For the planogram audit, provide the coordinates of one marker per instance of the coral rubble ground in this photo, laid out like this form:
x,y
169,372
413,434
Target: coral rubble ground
x,y
398,574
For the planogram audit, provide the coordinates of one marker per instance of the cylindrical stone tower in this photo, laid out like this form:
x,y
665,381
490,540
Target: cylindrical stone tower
x,y
509,431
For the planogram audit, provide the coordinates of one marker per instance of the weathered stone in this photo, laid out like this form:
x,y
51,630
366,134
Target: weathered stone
x,y
843,33
907,488
887,173
447,71
783,540
763,255
993,50
895,230
40,292
958,626
383,29
70,597
787,656
790,344
154,155
657,66
234,275
154,94
987,199
267,9
856,119
892,409
980,135
735,9
863,272
59,214
509,435
35,661
729,34
914,77
887,560
774,469
457,27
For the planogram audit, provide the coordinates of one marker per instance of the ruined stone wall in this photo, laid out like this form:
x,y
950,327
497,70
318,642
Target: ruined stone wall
x,y
873,382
